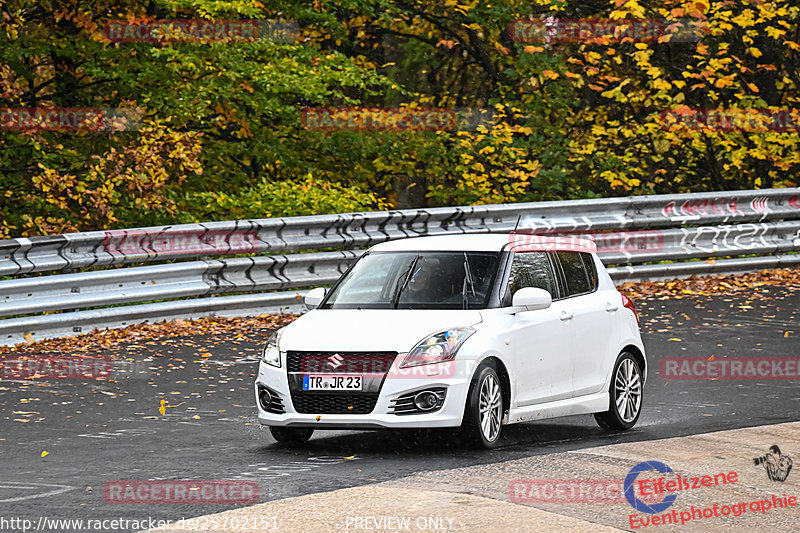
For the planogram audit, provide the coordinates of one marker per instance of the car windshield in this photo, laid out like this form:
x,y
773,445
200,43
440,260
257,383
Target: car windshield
x,y
416,280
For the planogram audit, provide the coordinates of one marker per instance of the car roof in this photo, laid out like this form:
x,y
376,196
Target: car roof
x,y
489,242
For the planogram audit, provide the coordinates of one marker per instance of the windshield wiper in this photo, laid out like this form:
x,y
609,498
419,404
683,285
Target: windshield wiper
x,y
467,283
406,277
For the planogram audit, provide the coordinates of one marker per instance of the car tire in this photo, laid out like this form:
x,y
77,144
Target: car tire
x,y
483,413
291,436
625,395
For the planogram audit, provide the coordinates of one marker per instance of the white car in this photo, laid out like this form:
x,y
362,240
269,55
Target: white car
x,y
475,331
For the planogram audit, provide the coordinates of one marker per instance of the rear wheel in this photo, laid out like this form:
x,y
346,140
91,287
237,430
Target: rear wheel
x,y
292,436
483,414
625,395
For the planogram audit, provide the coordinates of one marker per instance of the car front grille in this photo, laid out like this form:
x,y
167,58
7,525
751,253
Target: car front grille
x,y
372,366
334,403
340,362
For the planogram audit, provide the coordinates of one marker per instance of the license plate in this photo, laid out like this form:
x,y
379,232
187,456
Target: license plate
x,y
328,382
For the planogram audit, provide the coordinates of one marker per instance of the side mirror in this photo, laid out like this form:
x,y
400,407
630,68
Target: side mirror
x,y
532,298
314,297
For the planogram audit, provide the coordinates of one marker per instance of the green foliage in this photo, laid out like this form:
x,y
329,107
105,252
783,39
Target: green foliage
x,y
747,60
221,134
268,199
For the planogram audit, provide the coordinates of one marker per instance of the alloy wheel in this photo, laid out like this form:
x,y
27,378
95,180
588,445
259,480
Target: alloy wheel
x,y
628,388
491,408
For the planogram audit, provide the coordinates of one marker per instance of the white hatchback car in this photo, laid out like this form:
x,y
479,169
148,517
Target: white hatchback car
x,y
475,331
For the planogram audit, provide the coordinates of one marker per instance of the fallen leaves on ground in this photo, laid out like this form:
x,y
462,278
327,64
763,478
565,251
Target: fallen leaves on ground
x,y
211,325
710,285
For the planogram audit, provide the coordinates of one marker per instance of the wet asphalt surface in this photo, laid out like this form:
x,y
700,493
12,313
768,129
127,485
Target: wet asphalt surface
x,y
111,429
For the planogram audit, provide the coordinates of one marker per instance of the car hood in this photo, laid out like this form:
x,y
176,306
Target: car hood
x,y
354,330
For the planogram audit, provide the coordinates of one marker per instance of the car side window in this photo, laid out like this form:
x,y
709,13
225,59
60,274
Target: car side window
x,y
531,270
588,262
574,273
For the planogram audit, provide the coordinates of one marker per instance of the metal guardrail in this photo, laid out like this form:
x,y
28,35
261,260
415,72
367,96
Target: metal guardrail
x,y
654,228
179,280
14,330
104,248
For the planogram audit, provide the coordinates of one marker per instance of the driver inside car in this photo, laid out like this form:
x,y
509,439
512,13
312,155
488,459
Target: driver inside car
x,y
423,285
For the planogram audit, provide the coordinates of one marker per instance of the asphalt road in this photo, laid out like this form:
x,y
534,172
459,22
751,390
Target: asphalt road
x,y
111,429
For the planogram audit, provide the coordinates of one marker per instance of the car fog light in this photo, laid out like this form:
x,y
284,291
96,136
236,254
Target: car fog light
x,y
426,400
265,398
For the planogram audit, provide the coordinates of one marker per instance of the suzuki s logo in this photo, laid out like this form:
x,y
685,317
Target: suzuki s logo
x,y
335,361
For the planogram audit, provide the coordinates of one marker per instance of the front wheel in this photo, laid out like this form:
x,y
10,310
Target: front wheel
x,y
625,395
483,414
291,436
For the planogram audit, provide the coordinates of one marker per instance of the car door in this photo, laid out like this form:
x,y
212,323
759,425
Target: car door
x,y
593,319
538,340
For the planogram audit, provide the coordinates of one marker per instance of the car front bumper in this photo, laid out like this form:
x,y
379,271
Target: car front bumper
x,y
452,376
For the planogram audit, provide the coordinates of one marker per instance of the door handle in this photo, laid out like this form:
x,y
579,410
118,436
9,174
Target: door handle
x,y
611,308
566,316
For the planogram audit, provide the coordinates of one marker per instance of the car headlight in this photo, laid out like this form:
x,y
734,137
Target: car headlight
x,y
271,354
438,347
